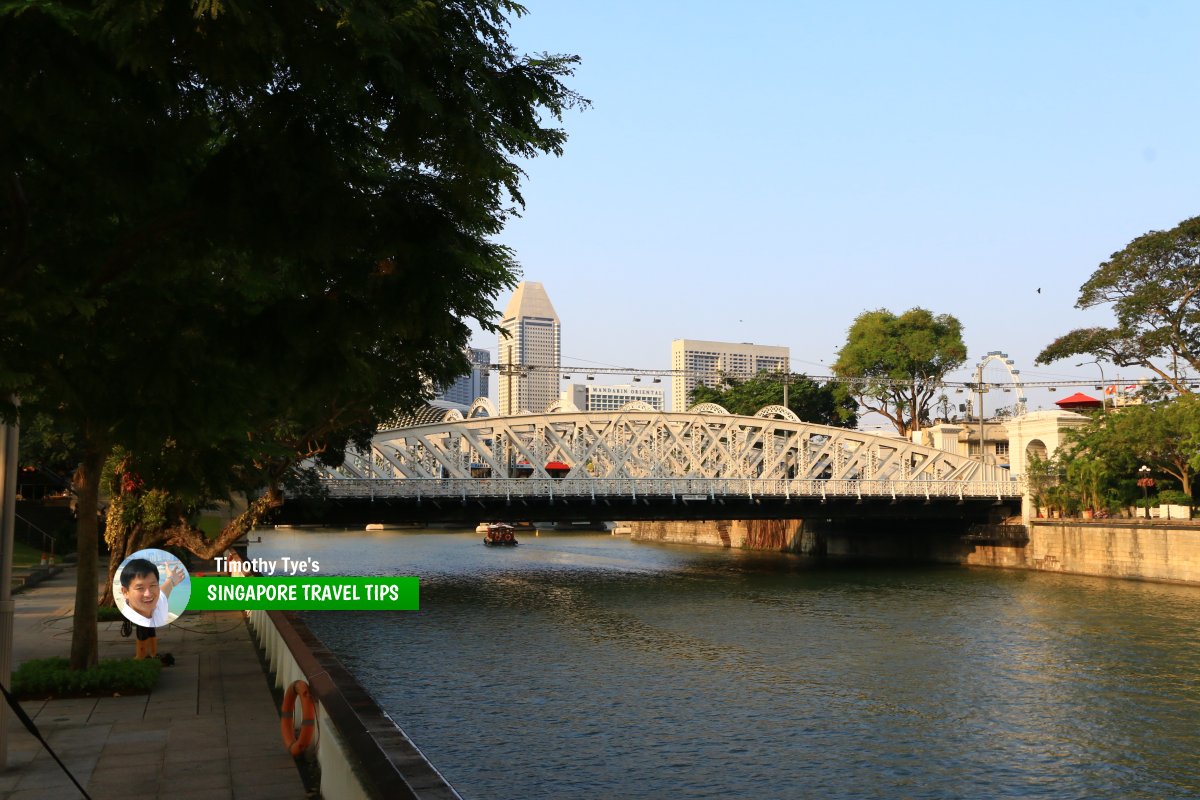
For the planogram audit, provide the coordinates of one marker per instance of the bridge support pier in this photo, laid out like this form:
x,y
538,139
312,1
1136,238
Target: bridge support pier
x,y
780,535
900,540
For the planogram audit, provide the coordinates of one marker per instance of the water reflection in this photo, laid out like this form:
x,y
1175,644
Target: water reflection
x,y
582,666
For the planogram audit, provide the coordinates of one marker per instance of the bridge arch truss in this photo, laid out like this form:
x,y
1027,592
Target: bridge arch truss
x,y
702,444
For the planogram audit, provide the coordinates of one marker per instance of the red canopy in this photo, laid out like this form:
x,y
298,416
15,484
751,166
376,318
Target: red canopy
x,y
1079,400
557,465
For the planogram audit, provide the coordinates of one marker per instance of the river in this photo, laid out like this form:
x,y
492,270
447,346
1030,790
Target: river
x,y
589,666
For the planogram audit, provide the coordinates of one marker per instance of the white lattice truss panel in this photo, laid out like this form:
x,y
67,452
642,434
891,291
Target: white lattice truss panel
x,y
704,446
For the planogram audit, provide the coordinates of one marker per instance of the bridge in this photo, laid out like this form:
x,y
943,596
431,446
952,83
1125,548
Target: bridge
x,y
640,463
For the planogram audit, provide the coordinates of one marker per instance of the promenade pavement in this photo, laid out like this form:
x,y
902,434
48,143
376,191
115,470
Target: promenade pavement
x,y
209,729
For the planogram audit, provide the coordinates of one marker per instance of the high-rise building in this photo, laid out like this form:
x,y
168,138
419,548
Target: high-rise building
x,y
466,388
588,397
529,351
695,361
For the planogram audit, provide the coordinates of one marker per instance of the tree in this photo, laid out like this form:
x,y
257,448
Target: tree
x,y
895,365
823,404
236,235
1089,478
1041,476
1160,435
1154,288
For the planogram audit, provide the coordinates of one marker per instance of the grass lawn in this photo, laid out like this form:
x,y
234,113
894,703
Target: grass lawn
x,y
210,526
25,556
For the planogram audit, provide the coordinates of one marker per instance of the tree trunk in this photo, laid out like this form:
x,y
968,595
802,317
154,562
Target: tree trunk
x,y
184,535
84,638
118,551
115,556
107,598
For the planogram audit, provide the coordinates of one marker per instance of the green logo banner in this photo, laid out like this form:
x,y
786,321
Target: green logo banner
x,y
330,593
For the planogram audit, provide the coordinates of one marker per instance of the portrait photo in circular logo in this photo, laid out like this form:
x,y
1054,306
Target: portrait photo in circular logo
x,y
152,588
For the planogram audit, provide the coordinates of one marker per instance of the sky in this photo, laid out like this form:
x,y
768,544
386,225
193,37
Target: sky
x,y
765,172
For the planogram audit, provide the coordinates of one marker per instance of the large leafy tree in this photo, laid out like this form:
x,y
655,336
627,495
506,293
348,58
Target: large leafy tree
x,y
824,404
1153,286
1111,447
236,234
895,365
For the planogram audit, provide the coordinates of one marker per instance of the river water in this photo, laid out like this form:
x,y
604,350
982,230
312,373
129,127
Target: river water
x,y
590,666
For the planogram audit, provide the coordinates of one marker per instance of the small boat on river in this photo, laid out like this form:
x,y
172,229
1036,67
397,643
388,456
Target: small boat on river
x,y
499,534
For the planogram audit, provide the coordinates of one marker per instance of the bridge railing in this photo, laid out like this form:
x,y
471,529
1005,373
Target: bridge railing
x,y
675,488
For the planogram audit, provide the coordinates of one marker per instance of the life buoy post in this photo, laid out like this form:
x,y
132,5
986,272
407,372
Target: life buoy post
x,y
298,744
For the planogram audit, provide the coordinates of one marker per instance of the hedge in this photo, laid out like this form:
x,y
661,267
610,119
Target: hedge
x,y
1174,497
52,677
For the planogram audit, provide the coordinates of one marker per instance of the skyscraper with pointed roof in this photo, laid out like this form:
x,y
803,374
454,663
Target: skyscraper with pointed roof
x,y
529,351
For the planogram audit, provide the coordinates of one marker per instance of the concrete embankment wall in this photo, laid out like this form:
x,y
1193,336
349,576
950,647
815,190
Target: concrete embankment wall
x,y
361,753
1140,550
1156,551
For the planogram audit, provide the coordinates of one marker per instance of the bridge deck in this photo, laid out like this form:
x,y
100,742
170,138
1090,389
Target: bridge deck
x,y
472,500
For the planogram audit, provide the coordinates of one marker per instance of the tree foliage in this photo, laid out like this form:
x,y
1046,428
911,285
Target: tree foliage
x,y
896,364
1108,451
1153,286
236,235
823,404
1041,476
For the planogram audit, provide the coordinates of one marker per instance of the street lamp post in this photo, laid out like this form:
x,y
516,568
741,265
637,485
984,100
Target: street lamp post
x,y
1103,398
980,388
8,502
1145,481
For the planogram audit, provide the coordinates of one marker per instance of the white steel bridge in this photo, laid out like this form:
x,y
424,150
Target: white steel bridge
x,y
641,463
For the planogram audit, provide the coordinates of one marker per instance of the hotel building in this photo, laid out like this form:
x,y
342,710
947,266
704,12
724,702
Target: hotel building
x,y
696,362
529,351
587,397
474,384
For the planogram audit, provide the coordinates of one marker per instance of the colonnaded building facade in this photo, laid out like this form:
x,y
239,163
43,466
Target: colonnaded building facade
x,y
530,355
695,361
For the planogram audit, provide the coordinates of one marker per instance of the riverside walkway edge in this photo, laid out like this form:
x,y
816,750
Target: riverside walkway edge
x,y
362,752
209,729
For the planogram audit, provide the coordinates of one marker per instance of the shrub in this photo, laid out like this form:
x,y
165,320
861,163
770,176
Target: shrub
x,y
53,677
1174,497
109,614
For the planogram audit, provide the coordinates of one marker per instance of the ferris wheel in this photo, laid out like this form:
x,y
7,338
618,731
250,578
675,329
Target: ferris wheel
x,y
1013,374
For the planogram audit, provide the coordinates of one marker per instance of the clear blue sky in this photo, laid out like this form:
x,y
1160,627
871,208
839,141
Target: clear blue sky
x,y
765,172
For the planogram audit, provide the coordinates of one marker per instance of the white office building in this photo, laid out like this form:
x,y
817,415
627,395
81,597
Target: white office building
x,y
696,361
474,384
529,351
588,397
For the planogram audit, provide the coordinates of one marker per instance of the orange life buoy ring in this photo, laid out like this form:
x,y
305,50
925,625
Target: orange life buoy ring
x,y
508,537
296,745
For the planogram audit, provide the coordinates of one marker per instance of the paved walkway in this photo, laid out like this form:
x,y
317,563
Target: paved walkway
x,y
210,729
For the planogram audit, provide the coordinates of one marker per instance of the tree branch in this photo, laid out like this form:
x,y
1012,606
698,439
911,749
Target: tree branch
x,y
193,540
10,276
121,258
